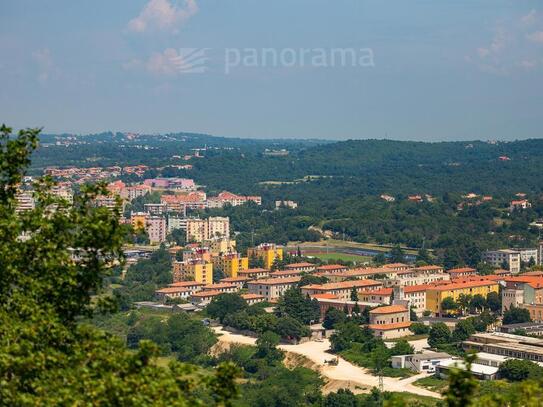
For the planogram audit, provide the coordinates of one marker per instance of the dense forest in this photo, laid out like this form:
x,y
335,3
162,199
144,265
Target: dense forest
x,y
338,186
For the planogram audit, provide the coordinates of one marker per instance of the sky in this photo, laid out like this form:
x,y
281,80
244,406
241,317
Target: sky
x,y
345,69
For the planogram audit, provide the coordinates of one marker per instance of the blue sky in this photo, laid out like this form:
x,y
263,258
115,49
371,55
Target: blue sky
x,y
440,70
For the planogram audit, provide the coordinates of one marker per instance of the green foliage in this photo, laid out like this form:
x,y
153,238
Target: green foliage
x,y
396,255
517,370
402,347
516,315
354,294
494,301
267,347
298,306
462,385
418,328
342,398
449,304
439,335
463,330
225,304
48,279
332,317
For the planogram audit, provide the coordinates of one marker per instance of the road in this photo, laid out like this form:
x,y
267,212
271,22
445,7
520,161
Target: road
x,y
343,372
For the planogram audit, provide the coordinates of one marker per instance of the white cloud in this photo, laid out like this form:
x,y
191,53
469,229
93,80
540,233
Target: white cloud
x,y
513,46
536,37
163,15
528,64
529,18
163,63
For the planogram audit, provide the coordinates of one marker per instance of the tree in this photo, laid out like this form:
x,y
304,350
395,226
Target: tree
x,y
266,345
402,347
413,314
299,306
332,317
341,398
462,385
379,259
225,304
516,315
478,303
418,328
291,328
423,256
354,294
463,330
397,255
308,279
379,358
494,301
517,370
439,335
464,301
53,273
449,304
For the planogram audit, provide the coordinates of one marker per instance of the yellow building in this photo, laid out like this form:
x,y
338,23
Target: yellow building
x,y
193,270
435,295
268,252
138,220
231,263
220,245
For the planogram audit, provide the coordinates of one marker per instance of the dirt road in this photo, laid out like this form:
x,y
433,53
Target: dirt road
x,y
343,372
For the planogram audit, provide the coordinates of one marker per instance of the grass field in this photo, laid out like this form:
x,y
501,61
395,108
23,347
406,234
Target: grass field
x,y
340,256
432,383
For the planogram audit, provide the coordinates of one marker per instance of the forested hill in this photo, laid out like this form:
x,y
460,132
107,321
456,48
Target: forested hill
x,y
354,166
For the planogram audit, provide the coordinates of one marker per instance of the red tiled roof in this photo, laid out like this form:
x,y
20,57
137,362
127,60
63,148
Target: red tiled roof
x,y
462,270
250,296
389,309
342,285
324,296
168,290
387,327
186,284
277,281
467,284
211,293
296,265
331,267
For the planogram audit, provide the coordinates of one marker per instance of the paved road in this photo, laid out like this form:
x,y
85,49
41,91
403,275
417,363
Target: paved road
x,y
344,371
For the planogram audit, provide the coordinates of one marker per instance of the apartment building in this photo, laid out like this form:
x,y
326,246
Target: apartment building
x,y
524,291
238,281
25,201
173,293
304,267
268,252
272,288
221,287
343,289
461,272
436,294
176,222
390,321
508,257
138,220
219,245
200,271
228,198
230,264
331,268
252,299
513,346
156,229
203,298
155,209
254,273
199,230
414,295
285,274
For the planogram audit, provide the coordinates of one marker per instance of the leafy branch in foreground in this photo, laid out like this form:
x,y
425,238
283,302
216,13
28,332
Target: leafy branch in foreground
x,y
52,260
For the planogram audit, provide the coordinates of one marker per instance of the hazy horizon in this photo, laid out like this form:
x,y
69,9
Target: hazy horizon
x,y
304,69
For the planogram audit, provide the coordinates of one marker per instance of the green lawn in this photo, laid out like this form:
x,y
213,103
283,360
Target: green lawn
x,y
340,256
432,383
405,399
